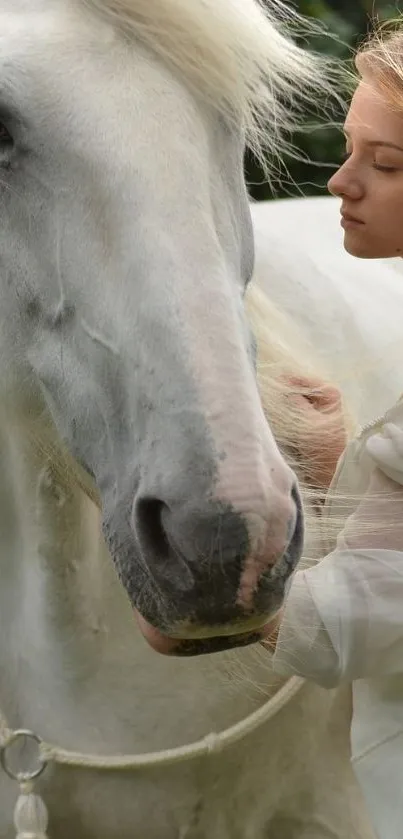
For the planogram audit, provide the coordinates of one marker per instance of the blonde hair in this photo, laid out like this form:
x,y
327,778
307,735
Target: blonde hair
x,y
238,55
381,57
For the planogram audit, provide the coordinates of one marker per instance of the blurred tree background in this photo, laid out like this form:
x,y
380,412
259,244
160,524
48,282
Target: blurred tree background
x,y
320,150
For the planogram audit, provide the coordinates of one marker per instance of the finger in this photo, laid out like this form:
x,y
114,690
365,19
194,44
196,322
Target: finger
x,y
317,406
317,390
325,398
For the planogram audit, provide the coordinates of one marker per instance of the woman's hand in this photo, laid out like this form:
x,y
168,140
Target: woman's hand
x,y
323,437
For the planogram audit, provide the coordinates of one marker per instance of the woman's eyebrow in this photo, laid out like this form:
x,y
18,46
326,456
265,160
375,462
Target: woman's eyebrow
x,y
384,144
373,143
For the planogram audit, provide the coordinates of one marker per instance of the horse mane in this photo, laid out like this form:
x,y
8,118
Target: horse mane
x,y
282,352
237,54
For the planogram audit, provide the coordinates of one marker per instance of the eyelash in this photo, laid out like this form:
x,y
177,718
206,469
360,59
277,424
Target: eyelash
x,y
384,168
376,166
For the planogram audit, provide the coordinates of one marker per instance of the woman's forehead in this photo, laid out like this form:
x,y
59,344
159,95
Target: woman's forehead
x,y
372,118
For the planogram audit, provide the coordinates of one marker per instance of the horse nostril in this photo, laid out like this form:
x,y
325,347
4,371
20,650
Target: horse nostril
x,y
167,564
150,513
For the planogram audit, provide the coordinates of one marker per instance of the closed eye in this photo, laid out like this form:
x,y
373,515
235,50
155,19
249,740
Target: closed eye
x,y
378,166
381,168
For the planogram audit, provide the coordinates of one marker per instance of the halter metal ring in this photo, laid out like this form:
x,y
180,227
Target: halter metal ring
x,y
29,775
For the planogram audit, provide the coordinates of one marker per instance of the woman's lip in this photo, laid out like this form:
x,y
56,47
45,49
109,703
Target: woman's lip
x,y
350,221
166,645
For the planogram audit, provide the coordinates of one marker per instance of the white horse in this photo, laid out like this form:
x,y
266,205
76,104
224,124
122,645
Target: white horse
x,y
127,375
350,310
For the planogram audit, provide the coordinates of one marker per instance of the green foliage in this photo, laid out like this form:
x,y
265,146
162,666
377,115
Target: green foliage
x,y
319,148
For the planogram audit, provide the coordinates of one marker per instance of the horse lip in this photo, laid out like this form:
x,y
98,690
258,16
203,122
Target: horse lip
x,y
200,644
216,644
192,633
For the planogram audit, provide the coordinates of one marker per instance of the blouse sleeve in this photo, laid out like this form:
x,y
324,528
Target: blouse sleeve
x,y
344,617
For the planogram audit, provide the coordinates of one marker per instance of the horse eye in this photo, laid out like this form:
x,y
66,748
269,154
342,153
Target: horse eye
x,y
5,136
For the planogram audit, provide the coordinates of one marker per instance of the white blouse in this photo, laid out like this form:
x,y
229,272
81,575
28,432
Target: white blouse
x,y
343,619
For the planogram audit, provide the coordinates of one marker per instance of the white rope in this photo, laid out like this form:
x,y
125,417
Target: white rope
x,y
5,731
210,744
30,814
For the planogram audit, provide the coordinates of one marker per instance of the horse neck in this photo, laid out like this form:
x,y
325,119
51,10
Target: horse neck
x,y
51,589
76,668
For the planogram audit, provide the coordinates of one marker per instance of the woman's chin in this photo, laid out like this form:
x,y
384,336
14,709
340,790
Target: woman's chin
x,y
362,247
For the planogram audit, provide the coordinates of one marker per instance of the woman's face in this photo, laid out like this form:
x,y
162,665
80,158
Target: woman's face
x,y
370,181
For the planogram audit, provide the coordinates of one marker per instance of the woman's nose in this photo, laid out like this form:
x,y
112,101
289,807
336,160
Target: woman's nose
x,y
345,183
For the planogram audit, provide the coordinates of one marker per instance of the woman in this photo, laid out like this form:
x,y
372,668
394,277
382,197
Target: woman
x,y
343,619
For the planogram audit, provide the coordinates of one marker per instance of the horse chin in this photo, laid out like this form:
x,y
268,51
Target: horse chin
x,y
160,643
166,645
